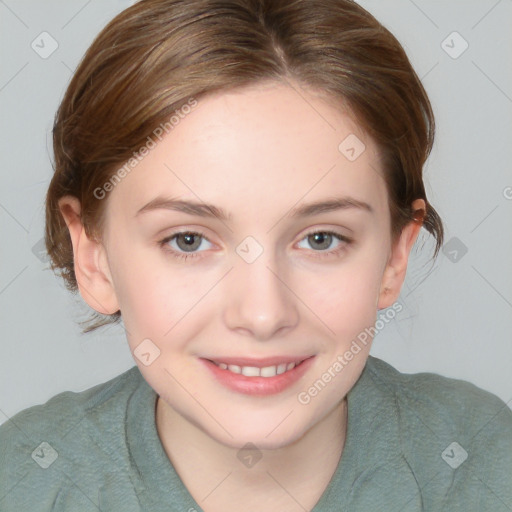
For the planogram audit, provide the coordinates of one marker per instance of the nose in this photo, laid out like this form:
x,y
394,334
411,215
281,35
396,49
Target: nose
x,y
260,303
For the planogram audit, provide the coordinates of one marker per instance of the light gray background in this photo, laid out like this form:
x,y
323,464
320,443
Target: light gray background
x,y
457,317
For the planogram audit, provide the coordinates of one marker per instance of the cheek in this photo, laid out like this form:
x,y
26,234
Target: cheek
x,y
345,298
156,293
153,293
141,288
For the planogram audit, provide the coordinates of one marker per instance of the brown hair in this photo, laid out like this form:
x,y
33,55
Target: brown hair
x,y
156,55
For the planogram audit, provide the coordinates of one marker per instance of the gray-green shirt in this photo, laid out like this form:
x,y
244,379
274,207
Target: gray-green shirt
x,y
414,442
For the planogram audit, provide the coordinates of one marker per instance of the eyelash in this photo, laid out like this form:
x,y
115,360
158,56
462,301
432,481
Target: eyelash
x,y
320,254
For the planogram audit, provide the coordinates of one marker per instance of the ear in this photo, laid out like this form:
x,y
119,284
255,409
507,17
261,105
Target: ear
x,y
396,268
90,261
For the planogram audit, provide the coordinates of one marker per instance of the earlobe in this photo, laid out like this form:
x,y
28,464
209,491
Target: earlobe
x,y
90,262
396,268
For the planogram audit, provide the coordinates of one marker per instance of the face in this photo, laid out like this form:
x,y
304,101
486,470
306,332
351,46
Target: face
x,y
263,281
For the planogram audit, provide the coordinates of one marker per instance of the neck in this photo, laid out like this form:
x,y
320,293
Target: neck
x,y
215,476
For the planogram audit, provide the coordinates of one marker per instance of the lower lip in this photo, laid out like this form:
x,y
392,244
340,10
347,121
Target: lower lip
x,y
261,386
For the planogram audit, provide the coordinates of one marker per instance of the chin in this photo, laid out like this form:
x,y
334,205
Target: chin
x,y
265,437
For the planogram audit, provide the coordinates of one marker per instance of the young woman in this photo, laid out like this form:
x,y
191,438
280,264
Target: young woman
x,y
241,183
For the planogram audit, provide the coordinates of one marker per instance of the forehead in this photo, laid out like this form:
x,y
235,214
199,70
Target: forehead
x,y
241,149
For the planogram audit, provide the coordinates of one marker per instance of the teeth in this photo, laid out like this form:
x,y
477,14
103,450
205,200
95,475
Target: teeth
x,y
281,368
268,371
252,371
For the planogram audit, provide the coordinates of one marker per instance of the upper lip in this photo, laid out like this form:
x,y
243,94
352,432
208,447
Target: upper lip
x,y
258,363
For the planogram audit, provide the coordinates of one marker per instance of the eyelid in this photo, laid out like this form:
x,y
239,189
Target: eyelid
x,y
183,230
200,231
334,231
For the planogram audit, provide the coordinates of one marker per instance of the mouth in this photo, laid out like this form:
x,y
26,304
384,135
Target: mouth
x,y
258,377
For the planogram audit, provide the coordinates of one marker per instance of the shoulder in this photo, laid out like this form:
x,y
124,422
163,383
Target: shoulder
x,y
446,401
62,411
453,434
44,442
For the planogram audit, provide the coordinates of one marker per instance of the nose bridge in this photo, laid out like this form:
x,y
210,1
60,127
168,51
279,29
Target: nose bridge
x,y
258,299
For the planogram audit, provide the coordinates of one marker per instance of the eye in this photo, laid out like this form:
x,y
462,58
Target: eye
x,y
323,240
184,244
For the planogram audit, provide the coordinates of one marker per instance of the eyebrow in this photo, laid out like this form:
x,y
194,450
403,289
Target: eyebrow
x,y
210,210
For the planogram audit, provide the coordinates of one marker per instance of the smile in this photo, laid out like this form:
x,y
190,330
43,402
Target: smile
x,y
258,377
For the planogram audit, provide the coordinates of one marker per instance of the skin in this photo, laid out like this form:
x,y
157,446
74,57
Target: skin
x,y
257,153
